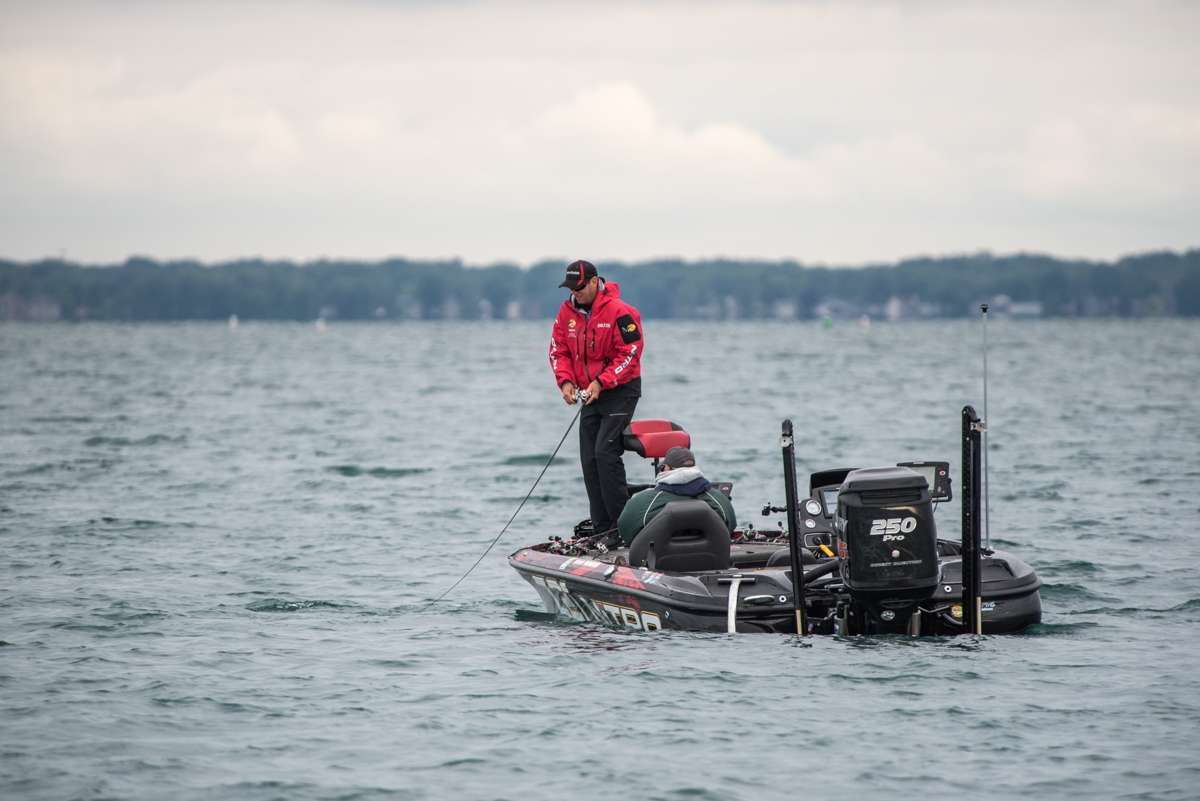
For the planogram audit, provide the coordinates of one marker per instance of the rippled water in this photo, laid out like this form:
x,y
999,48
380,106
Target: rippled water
x,y
217,546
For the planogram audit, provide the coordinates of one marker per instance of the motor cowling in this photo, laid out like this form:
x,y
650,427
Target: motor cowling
x,y
888,543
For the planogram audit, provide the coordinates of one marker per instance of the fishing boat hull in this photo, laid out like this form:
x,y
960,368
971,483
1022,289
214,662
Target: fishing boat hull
x,y
596,590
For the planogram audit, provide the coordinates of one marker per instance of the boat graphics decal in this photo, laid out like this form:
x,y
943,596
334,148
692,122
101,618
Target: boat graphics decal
x,y
624,576
627,577
590,610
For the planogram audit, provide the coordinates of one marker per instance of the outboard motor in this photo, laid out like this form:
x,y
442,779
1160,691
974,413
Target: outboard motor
x,y
888,544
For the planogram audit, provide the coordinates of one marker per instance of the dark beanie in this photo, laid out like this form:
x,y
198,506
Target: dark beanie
x,y
679,456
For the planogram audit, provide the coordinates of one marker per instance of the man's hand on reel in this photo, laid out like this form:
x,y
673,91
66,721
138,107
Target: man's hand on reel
x,y
592,392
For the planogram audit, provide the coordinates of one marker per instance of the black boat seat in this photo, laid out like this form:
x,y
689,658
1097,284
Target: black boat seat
x,y
685,536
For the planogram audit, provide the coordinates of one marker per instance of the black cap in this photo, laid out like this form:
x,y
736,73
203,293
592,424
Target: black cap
x,y
679,456
579,272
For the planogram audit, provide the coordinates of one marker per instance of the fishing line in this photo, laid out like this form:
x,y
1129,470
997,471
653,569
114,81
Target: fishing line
x,y
521,505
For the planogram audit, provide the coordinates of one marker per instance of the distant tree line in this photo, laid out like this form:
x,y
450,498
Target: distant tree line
x,y
1151,284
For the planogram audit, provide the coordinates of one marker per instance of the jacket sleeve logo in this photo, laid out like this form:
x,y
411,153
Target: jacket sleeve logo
x,y
629,329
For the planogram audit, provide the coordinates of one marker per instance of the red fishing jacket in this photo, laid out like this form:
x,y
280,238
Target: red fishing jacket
x,y
605,345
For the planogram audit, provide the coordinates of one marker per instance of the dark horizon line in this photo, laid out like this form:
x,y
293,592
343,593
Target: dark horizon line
x,y
982,254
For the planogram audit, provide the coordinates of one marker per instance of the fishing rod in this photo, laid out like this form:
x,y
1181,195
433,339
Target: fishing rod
x,y
581,399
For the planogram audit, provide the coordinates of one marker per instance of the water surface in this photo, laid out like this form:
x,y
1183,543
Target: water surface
x,y
217,546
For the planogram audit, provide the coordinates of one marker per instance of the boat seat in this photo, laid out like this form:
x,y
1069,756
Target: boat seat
x,y
651,439
685,536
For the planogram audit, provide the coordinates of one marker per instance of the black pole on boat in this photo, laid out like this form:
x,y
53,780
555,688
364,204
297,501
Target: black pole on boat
x,y
972,595
793,519
987,482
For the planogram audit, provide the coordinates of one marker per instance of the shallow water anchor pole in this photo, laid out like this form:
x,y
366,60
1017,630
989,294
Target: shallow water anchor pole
x,y
987,506
972,595
793,518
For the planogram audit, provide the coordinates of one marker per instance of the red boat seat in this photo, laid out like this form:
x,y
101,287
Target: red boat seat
x,y
652,439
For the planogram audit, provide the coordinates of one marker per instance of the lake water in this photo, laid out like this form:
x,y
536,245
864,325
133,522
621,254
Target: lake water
x,y
217,546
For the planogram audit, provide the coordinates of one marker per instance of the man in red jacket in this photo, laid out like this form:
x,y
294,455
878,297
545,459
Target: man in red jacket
x,y
596,346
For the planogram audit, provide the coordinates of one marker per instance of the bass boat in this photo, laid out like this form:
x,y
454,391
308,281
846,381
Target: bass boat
x,y
859,555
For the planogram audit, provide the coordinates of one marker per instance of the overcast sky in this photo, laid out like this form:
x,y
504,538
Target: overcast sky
x,y
824,132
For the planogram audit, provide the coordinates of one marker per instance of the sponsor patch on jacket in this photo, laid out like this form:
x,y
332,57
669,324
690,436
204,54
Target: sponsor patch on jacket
x,y
629,329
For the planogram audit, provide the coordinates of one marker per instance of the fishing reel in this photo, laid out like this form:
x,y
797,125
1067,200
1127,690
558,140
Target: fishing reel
x,y
582,396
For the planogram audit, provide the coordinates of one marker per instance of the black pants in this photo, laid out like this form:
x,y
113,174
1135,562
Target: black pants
x,y
600,427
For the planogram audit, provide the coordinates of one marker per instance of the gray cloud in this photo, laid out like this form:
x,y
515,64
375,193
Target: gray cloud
x,y
824,132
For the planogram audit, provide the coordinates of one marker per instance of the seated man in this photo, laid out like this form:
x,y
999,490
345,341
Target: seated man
x,y
679,479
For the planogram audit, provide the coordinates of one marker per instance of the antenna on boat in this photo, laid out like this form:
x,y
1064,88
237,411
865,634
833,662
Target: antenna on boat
x,y
987,506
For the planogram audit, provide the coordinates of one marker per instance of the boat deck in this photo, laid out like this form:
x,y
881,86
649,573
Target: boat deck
x,y
742,555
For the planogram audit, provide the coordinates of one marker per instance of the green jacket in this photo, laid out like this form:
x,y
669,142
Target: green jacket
x,y
686,483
